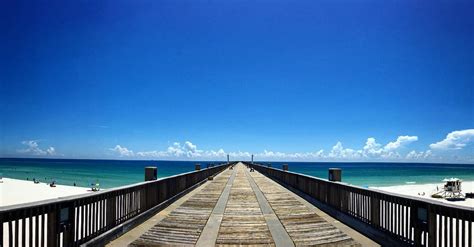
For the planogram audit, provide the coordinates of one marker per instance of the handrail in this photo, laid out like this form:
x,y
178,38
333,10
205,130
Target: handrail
x,y
80,218
4,209
410,220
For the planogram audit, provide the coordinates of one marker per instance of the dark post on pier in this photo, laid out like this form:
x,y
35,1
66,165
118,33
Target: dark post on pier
x,y
285,167
198,167
151,173
335,174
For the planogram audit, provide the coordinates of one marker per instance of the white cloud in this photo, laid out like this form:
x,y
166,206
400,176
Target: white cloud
x,y
372,148
371,151
176,150
400,142
455,140
339,152
32,148
240,154
413,155
216,154
390,151
122,151
188,150
51,151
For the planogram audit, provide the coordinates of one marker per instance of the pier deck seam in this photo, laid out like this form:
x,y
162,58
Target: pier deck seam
x,y
279,233
209,234
132,235
354,234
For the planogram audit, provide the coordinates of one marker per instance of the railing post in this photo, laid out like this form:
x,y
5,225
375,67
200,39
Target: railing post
x,y
335,174
375,211
52,228
1,229
151,173
111,213
67,224
432,226
419,219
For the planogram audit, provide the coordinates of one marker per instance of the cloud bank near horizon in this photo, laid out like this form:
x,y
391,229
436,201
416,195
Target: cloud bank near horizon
x,y
445,150
32,148
395,150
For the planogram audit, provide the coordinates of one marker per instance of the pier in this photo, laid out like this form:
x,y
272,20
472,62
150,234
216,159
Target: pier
x,y
240,207
236,204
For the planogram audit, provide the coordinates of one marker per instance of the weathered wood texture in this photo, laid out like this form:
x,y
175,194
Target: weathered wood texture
x,y
410,220
184,225
305,227
243,222
85,217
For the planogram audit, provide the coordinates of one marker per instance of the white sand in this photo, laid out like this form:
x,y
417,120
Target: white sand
x,y
428,190
15,191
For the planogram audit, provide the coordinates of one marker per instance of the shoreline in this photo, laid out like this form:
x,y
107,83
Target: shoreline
x,y
17,191
426,190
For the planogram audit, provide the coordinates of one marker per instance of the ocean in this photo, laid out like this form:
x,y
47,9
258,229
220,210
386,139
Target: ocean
x,y
114,173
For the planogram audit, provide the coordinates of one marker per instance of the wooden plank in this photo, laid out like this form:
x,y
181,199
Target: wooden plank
x,y
304,226
184,225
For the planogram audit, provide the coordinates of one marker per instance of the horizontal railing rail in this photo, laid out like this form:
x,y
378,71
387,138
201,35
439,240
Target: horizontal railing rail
x,y
74,220
409,220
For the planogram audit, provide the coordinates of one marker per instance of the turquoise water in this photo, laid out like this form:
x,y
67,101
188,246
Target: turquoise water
x,y
113,173
386,174
109,173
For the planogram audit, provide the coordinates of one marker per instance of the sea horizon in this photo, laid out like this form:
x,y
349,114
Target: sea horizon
x,y
115,173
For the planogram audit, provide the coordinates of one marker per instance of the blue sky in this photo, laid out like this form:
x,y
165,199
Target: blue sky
x,y
359,80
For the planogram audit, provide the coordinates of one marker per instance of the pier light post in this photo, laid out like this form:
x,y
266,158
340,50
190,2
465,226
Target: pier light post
x,y
335,174
197,167
228,159
151,173
252,159
285,167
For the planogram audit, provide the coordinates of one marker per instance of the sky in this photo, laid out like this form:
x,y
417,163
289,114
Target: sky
x,y
317,80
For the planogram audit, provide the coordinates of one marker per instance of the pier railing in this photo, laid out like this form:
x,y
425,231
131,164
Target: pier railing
x,y
407,220
74,220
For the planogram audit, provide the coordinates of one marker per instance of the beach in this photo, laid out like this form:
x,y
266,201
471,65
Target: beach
x,y
15,191
426,190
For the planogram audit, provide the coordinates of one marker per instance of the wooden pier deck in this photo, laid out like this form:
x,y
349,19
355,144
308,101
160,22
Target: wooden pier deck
x,y
239,207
